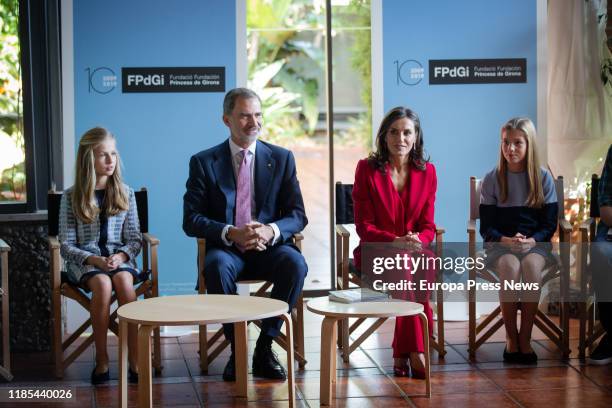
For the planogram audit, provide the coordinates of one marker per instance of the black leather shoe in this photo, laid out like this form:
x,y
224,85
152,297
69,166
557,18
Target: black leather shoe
x,y
514,357
229,372
266,364
132,376
99,378
603,352
528,358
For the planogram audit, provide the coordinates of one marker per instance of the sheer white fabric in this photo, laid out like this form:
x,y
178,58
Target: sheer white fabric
x,y
579,105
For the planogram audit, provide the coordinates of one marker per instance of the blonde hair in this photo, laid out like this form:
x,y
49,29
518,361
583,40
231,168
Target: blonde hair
x,y
535,199
84,202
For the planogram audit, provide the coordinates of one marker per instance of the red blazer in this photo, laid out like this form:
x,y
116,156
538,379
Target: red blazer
x,y
376,202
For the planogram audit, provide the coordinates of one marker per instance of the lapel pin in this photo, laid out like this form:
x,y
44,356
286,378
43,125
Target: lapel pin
x,y
269,164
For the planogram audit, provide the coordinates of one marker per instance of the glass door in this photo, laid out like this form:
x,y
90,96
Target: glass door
x,y
287,67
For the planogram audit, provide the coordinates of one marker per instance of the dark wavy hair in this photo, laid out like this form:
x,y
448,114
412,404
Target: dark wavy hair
x,y
380,158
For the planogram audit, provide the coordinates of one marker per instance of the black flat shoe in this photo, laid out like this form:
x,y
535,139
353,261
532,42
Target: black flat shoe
x,y
132,376
266,365
229,372
99,378
513,357
602,354
528,358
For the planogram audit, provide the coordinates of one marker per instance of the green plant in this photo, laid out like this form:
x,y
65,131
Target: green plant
x,y
276,46
362,61
280,112
12,173
357,14
13,182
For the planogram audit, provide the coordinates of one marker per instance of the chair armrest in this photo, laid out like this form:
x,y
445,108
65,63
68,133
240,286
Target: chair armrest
x,y
150,260
471,226
565,225
342,231
440,235
55,263
439,240
297,240
150,239
565,229
586,224
201,256
4,250
201,245
53,243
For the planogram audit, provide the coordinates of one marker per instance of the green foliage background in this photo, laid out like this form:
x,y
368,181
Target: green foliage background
x,y
12,180
284,67
286,42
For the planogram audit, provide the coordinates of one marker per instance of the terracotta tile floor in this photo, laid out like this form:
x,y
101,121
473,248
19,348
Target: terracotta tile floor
x,y
367,381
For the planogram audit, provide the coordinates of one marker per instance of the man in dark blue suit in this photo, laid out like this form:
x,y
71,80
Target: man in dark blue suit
x,y
243,196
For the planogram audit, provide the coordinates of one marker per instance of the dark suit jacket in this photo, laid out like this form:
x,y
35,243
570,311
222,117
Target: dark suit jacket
x,y
375,200
210,200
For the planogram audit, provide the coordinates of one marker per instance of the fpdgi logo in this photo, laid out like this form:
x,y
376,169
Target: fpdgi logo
x,y
455,72
101,80
146,80
409,72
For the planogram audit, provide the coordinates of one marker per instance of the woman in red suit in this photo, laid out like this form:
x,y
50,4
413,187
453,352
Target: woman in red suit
x,y
393,196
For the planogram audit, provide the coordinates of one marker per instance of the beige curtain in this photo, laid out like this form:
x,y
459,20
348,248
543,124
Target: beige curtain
x,y
579,106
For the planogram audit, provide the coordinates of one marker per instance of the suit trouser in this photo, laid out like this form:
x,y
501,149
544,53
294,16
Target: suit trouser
x,y
283,265
601,261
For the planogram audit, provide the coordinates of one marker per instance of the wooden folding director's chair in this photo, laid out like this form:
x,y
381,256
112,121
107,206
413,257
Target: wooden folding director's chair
x,y
559,334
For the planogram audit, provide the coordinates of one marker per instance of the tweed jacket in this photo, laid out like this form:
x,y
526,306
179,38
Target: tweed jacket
x,y
79,241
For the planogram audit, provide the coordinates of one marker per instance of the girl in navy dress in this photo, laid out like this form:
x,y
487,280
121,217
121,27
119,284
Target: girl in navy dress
x,y
518,209
100,239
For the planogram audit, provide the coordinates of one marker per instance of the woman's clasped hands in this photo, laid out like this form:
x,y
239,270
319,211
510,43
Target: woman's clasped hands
x,y
409,241
109,263
518,243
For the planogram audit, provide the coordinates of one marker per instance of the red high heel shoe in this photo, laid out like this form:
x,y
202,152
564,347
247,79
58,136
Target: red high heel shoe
x,y
401,371
417,374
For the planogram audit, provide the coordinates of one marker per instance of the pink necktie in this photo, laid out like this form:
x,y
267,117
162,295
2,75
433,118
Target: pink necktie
x,y
243,191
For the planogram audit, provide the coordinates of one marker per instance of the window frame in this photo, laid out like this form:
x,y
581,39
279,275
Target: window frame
x,y
39,38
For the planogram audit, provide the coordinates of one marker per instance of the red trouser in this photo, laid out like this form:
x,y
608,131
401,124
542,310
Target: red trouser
x,y
408,336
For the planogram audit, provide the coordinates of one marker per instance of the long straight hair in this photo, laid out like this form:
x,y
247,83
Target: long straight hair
x,y
535,198
84,202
